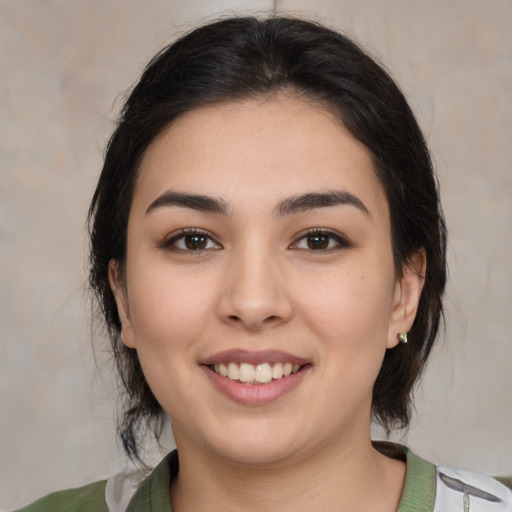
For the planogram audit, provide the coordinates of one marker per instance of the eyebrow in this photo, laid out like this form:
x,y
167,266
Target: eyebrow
x,y
194,201
289,206
313,200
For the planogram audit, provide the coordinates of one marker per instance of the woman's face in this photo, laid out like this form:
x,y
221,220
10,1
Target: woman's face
x,y
259,244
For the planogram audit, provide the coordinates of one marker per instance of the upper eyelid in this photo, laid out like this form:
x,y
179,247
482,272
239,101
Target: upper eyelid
x,y
322,231
180,233
176,235
336,235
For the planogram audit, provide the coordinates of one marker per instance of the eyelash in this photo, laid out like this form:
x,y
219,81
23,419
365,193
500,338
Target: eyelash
x,y
340,240
170,243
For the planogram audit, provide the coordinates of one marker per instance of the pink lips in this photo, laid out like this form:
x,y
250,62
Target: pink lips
x,y
244,356
255,394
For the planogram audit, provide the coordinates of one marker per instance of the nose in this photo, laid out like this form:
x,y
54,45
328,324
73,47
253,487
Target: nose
x,y
254,292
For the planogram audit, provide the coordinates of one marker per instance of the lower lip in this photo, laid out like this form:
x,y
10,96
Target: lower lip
x,y
256,394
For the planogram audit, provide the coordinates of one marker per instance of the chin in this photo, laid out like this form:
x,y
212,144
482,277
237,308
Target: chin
x,y
259,447
257,455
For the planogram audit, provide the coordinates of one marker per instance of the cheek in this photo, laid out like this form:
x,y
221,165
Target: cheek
x,y
169,311
357,298
349,313
169,319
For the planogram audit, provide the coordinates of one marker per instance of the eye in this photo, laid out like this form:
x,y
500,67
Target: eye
x,y
320,240
191,240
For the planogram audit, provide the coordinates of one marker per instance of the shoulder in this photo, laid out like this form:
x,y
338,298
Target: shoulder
x,y
132,492
90,498
433,488
473,491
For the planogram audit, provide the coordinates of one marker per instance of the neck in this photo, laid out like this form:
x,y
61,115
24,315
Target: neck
x,y
355,477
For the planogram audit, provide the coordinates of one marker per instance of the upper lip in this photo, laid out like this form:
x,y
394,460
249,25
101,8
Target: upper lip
x,y
253,357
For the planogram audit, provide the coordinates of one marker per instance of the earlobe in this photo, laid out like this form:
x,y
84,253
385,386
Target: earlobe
x,y
408,289
118,288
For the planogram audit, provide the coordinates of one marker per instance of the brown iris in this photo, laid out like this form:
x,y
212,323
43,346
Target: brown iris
x,y
318,242
196,242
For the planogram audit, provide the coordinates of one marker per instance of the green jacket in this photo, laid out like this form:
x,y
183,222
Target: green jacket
x,y
427,489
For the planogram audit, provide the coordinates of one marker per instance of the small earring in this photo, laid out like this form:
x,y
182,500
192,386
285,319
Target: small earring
x,y
402,337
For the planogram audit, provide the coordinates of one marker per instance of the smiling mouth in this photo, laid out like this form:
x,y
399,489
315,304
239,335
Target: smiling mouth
x,y
255,374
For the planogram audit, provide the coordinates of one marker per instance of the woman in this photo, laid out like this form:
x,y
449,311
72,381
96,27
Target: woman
x,y
268,251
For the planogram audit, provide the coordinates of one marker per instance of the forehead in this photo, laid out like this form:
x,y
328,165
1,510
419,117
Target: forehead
x,y
258,150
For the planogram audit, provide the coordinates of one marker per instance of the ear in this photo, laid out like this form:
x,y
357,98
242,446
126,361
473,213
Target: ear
x,y
118,287
407,296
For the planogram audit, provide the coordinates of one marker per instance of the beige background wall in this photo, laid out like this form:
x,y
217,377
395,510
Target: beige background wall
x,y
62,64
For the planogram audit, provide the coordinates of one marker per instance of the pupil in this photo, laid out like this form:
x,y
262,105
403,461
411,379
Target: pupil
x,y
318,242
195,242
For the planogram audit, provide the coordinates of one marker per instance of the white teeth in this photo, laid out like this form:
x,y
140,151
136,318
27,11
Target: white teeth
x,y
233,371
261,373
246,372
277,371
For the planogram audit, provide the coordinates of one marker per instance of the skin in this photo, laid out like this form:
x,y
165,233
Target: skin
x,y
258,285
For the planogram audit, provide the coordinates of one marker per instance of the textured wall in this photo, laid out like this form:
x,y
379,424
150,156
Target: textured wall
x,y
63,63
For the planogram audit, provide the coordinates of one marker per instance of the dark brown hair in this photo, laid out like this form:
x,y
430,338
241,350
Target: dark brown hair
x,y
243,58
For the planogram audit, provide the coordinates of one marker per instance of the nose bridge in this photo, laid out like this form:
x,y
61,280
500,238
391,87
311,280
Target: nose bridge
x,y
255,291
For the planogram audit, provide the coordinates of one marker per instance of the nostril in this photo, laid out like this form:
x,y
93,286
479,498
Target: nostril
x,y
254,323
